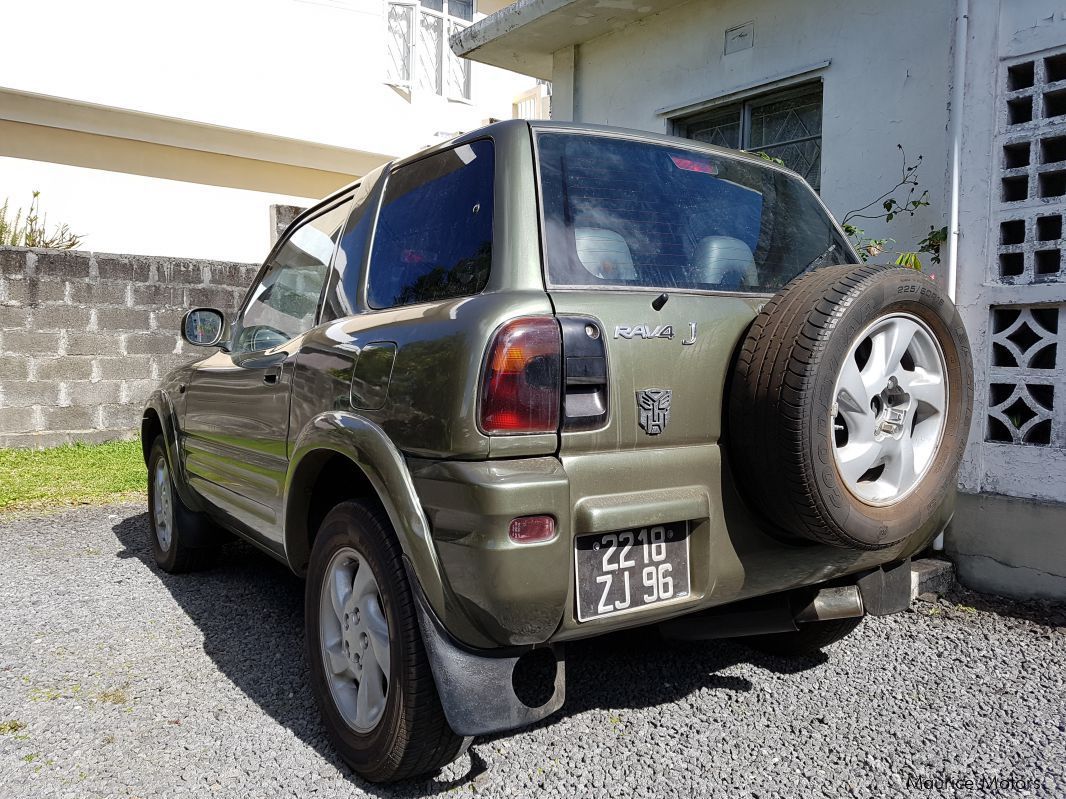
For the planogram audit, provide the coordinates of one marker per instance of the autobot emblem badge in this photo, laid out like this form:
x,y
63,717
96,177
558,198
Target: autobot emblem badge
x,y
653,407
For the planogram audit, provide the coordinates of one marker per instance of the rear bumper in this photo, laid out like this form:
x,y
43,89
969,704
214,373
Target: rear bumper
x,y
503,594
489,691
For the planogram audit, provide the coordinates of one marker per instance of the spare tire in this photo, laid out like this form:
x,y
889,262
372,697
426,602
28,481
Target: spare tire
x,y
850,405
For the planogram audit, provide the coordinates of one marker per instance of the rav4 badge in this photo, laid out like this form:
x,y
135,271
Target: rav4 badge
x,y
653,331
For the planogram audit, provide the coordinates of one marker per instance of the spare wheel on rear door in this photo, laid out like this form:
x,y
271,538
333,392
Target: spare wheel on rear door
x,y
850,405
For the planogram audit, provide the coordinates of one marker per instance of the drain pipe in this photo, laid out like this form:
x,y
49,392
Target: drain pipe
x,y
958,74
958,86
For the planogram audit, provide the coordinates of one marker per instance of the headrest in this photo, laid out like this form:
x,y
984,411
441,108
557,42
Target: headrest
x,y
724,261
604,253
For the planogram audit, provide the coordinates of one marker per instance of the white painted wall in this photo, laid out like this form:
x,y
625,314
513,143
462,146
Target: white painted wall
x,y
888,83
311,70
1007,32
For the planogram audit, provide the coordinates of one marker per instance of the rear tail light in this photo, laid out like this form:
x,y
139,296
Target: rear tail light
x,y
532,529
521,392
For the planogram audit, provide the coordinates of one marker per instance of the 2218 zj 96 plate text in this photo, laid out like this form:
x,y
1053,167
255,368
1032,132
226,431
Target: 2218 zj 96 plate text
x,y
631,569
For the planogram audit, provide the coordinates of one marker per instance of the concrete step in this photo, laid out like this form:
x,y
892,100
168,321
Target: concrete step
x,y
931,576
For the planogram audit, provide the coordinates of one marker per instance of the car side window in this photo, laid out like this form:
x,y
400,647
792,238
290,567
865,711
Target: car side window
x,y
284,303
434,233
347,270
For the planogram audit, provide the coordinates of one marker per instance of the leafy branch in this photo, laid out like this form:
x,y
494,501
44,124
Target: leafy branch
x,y
886,208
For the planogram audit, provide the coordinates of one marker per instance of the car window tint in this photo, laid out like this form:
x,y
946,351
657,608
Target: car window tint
x,y
284,302
434,232
653,215
348,265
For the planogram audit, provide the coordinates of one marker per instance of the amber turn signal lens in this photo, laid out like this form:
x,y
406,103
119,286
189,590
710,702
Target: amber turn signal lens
x,y
532,529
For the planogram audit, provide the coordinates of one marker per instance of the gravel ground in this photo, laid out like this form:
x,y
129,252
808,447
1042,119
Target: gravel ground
x,y
118,680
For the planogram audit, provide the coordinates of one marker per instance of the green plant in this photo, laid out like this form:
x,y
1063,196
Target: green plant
x,y
933,241
887,207
767,157
11,725
867,248
31,230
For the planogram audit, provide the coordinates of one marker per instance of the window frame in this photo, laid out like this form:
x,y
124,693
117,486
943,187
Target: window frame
x,y
762,96
379,203
375,190
412,48
308,216
416,9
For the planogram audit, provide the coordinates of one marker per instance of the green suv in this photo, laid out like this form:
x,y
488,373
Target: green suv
x,y
549,381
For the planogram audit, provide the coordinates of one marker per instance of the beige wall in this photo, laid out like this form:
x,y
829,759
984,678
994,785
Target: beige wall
x,y
39,143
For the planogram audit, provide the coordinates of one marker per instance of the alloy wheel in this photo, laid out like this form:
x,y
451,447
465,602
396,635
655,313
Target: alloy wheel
x,y
354,636
889,409
162,505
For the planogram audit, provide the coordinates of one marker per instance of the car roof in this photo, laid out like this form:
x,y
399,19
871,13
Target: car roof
x,y
542,125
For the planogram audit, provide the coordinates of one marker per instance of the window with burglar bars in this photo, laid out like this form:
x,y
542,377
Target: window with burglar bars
x,y
785,124
419,58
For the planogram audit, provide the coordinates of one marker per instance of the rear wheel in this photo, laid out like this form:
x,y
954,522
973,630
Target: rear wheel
x,y
809,638
183,540
369,669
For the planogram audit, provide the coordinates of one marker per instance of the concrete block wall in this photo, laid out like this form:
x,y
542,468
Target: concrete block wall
x,y
85,337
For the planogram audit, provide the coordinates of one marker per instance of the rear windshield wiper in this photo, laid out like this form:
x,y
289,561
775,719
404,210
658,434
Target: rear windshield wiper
x,y
821,256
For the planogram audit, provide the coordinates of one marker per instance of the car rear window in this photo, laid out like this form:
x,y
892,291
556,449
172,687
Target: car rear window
x,y
623,212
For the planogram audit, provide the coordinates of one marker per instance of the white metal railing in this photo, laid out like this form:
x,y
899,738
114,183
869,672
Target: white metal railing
x,y
418,55
534,103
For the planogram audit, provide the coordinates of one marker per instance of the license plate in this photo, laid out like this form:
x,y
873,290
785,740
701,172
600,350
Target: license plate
x,y
631,569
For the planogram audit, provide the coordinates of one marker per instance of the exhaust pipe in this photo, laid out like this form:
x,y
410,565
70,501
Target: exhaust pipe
x,y
771,614
841,602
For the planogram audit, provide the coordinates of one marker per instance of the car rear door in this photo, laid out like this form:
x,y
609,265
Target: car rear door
x,y
658,257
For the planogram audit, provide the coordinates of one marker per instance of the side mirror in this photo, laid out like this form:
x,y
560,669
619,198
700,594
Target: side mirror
x,y
203,327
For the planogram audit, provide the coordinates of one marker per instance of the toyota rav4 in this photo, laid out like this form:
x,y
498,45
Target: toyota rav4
x,y
545,382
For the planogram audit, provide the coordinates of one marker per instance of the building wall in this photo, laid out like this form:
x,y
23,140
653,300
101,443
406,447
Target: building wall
x,y
85,337
311,70
121,212
1012,292
306,71
887,84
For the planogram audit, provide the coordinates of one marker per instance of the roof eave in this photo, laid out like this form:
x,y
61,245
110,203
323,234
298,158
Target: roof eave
x,y
524,36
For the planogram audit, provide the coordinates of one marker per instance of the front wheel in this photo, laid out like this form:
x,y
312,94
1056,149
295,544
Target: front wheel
x,y
369,670
182,539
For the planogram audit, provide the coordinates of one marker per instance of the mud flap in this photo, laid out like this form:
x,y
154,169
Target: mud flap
x,y
478,690
886,590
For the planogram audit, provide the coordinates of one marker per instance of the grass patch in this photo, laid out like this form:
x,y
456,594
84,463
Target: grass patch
x,y
115,696
70,474
11,726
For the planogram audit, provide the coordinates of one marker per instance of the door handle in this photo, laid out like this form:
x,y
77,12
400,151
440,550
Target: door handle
x,y
271,378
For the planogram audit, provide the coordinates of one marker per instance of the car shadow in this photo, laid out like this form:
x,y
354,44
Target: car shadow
x,y
249,609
